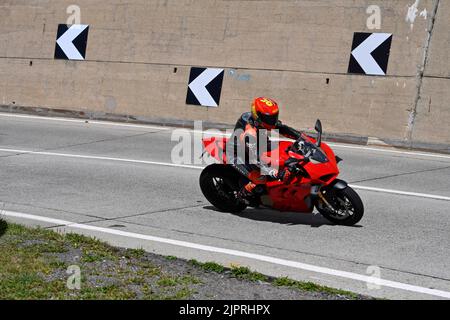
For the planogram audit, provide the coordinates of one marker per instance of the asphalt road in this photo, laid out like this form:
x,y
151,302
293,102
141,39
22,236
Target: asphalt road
x,y
116,182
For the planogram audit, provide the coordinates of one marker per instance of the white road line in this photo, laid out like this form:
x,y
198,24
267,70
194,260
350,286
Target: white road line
x,y
410,153
118,124
166,164
404,193
237,253
68,155
83,121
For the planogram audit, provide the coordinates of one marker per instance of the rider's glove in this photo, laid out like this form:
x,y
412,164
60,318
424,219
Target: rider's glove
x,y
284,175
273,174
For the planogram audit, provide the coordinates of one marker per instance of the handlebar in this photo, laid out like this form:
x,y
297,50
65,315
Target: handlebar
x,y
309,150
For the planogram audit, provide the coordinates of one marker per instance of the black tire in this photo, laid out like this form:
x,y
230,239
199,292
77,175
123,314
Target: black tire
x,y
353,198
222,197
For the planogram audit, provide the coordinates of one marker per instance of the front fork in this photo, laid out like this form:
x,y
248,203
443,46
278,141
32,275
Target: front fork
x,y
321,197
316,191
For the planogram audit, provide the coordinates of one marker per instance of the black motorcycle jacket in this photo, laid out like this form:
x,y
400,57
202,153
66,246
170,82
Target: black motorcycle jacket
x,y
248,134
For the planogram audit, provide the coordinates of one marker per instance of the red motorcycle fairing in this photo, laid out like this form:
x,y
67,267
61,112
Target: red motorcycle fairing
x,y
319,173
295,196
216,147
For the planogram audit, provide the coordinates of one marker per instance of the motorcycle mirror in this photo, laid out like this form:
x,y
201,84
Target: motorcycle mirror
x,y
318,128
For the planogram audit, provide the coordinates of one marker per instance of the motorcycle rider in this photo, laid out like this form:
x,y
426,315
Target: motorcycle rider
x,y
263,115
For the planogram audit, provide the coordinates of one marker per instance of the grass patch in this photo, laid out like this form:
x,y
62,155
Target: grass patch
x,y
166,281
170,281
212,266
246,273
312,287
190,280
135,253
34,264
195,263
208,266
171,258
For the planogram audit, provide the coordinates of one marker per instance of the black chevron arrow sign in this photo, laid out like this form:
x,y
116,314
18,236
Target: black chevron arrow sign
x,y
71,42
370,53
205,86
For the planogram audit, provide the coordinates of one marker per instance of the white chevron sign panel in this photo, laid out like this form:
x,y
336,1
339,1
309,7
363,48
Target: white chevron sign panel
x,y
205,86
370,53
71,42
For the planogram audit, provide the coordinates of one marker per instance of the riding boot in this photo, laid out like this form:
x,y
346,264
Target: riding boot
x,y
248,196
246,192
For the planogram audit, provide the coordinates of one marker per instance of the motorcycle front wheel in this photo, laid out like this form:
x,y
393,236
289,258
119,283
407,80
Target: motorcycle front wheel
x,y
347,207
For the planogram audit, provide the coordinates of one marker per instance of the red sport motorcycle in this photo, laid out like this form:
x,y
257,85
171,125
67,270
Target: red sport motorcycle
x,y
313,182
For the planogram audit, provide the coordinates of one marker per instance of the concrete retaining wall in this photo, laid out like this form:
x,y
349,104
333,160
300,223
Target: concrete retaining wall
x,y
140,53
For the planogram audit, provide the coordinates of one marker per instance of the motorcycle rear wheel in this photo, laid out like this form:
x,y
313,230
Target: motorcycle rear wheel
x,y
220,185
348,208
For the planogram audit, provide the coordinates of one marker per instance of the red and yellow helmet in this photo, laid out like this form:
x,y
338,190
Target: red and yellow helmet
x,y
265,112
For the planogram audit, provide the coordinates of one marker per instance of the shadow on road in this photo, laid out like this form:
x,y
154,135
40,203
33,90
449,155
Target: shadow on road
x,y
3,227
287,218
